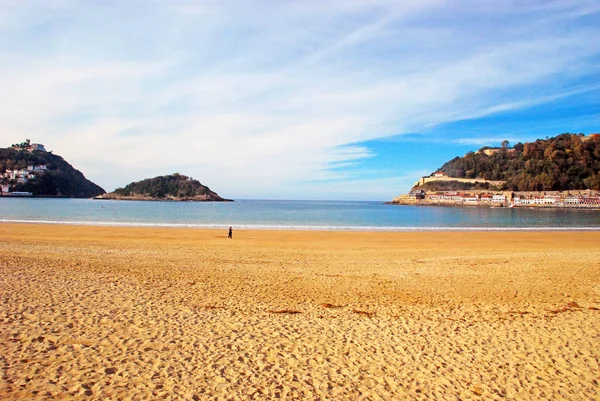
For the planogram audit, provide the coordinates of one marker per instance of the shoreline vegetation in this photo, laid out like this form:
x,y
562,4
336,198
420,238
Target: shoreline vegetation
x,y
151,313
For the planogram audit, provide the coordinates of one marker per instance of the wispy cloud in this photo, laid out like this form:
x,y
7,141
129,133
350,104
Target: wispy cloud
x,y
259,96
483,141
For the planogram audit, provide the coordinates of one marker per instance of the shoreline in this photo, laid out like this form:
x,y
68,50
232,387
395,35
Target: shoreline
x,y
148,199
388,229
493,206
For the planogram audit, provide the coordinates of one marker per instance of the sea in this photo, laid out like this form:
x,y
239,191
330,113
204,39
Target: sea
x,y
293,215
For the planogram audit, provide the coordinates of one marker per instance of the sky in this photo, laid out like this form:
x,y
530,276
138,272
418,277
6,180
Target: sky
x,y
311,99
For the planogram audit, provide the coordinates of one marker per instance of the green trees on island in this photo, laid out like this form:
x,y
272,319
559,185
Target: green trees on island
x,y
168,186
565,162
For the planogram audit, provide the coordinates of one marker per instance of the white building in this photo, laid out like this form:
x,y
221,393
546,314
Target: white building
x,y
498,198
468,198
572,200
38,168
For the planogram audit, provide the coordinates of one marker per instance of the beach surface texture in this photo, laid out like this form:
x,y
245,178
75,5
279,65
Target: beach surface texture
x,y
109,313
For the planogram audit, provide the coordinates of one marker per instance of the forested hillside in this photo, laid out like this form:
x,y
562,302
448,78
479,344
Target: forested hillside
x,y
565,162
60,178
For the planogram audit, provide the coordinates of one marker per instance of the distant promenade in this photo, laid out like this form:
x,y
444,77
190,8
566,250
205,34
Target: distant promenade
x,y
549,199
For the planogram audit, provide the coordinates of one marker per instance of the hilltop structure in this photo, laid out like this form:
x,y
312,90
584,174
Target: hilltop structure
x,y
442,177
27,145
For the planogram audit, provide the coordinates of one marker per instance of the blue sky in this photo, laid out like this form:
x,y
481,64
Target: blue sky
x,y
293,100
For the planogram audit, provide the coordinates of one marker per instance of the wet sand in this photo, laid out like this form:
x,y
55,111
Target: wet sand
x,y
146,313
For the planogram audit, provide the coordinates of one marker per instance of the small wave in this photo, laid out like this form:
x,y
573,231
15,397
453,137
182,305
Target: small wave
x,y
297,227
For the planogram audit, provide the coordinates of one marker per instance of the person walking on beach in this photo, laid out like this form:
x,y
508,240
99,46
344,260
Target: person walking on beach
x,y
230,235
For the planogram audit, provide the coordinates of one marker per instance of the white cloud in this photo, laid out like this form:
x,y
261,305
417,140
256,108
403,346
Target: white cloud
x,y
257,97
485,141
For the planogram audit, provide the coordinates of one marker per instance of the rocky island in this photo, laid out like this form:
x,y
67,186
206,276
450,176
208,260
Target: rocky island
x,y
174,187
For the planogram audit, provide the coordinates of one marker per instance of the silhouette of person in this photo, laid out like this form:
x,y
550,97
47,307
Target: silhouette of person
x,y
230,235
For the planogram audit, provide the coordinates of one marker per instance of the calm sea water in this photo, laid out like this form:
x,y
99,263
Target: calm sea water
x,y
299,215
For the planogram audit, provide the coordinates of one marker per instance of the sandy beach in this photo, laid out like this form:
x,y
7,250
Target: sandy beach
x,y
108,313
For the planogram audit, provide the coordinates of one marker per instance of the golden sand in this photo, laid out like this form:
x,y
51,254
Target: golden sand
x,y
131,313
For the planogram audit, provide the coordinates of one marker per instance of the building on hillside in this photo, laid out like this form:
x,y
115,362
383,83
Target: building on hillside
x,y
590,200
470,198
27,145
486,198
20,193
439,174
572,200
417,195
591,137
39,168
457,197
491,151
24,175
551,199
497,198
522,200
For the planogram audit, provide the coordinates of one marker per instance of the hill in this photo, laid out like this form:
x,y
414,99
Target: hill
x,y
565,162
43,174
174,187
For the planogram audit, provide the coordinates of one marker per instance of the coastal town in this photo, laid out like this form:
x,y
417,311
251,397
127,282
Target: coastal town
x,y
13,177
557,199
490,198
